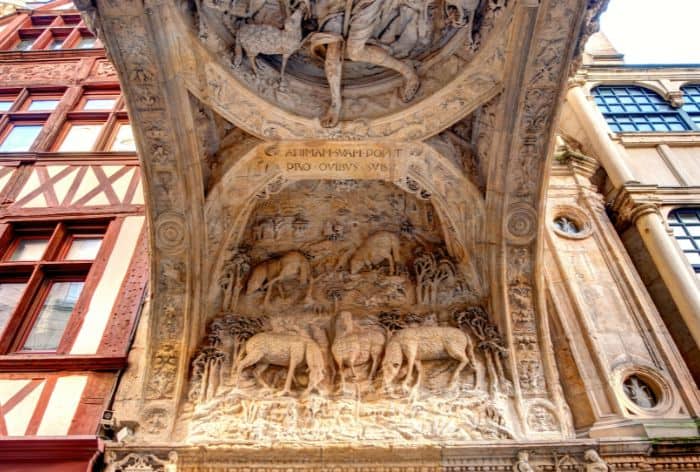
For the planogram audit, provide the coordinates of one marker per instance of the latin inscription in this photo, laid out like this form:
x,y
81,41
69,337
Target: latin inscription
x,y
342,161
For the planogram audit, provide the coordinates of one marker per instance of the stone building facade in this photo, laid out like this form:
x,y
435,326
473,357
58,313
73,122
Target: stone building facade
x,y
398,235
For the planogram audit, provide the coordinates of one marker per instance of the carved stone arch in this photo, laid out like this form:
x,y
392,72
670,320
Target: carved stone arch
x,y
414,167
160,63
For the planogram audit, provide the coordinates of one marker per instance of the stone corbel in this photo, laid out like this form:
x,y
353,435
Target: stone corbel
x,y
673,93
675,98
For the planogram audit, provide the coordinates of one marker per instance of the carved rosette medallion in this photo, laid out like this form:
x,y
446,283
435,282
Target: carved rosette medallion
x,y
521,223
170,232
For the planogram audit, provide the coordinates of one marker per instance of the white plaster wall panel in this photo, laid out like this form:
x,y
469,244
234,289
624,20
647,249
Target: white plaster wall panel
x,y
17,419
54,170
32,184
62,405
87,184
107,289
5,175
9,387
648,167
688,159
62,186
121,185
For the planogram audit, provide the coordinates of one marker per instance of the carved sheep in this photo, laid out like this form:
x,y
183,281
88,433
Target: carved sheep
x,y
417,344
283,350
355,346
379,247
266,39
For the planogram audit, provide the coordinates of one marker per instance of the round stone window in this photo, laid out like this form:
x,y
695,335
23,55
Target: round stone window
x,y
569,221
567,225
640,392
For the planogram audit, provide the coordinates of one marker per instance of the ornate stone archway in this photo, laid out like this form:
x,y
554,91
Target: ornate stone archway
x,y
498,103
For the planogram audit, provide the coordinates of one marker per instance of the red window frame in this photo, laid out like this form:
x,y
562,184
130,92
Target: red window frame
x,y
52,267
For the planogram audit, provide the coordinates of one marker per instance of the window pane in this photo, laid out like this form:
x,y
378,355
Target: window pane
x,y
688,217
83,249
10,293
24,44
5,104
29,249
42,105
693,258
80,138
678,231
124,140
53,317
99,103
686,244
86,42
20,138
56,44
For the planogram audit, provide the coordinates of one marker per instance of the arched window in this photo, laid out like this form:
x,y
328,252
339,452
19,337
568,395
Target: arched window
x,y
691,103
685,223
629,108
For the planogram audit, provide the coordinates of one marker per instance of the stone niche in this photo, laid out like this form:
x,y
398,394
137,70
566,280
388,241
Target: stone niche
x,y
350,310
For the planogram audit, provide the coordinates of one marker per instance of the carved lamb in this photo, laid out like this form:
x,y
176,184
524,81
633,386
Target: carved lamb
x,y
266,39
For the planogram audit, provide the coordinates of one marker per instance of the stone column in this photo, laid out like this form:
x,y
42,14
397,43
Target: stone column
x,y
596,130
671,264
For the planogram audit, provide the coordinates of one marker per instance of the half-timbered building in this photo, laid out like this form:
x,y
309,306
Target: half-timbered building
x,y
73,264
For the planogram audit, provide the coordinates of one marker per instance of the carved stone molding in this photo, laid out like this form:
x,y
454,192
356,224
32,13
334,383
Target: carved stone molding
x,y
588,456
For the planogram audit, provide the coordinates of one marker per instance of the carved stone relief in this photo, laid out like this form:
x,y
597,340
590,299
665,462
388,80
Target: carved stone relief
x,y
345,318
353,55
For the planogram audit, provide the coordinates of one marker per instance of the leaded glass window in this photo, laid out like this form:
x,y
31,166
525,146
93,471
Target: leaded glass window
x,y
685,224
636,109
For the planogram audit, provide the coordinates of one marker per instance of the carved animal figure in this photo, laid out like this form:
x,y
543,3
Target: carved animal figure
x,y
284,350
426,343
266,39
377,248
355,346
292,265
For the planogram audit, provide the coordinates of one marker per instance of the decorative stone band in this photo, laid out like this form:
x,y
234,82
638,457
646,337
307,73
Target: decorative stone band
x,y
581,455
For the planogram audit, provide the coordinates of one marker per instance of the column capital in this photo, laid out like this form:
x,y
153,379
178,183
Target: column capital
x,y
631,203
